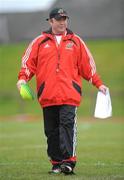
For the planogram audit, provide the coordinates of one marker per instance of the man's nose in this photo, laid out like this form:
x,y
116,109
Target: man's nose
x,y
62,21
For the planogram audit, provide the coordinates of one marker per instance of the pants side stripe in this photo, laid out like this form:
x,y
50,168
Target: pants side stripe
x,y
75,133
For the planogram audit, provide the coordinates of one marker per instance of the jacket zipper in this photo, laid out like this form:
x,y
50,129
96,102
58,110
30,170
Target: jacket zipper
x,y
58,63
58,51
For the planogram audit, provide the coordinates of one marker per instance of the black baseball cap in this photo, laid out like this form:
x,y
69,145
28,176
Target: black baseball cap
x,y
57,13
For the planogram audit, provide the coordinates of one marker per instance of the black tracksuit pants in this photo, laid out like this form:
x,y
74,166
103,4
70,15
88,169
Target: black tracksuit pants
x,y
60,129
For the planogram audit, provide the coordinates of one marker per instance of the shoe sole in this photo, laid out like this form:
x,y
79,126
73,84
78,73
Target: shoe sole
x,y
67,170
51,172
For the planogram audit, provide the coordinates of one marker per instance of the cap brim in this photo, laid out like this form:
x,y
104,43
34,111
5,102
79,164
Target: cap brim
x,y
58,16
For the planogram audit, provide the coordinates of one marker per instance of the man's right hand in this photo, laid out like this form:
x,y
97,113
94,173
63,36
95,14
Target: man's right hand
x,y
19,83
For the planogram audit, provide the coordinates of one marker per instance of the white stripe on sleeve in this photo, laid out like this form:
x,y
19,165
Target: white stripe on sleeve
x,y
27,55
92,63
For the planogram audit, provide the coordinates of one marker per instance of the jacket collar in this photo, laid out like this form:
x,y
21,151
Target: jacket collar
x,y
50,35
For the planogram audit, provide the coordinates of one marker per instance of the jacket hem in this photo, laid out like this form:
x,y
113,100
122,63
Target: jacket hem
x,y
57,104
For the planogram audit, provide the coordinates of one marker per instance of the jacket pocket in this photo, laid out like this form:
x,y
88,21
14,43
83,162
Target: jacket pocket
x,y
41,89
77,87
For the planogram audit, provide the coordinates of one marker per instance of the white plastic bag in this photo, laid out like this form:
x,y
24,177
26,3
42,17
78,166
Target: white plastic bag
x,y
103,108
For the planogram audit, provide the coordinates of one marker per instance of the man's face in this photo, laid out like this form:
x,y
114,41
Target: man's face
x,y
58,25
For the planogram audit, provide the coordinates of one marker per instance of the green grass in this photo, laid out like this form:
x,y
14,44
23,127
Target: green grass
x,y
109,58
100,151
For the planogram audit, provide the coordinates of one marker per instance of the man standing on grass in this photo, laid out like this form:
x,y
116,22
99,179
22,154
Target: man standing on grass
x,y
59,58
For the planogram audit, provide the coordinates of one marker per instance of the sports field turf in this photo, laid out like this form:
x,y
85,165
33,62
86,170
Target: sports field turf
x,y
100,151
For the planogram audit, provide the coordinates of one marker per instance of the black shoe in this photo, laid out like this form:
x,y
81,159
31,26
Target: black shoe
x,y
67,169
55,169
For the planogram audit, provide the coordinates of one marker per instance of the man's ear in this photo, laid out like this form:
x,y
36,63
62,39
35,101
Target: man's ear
x,y
50,21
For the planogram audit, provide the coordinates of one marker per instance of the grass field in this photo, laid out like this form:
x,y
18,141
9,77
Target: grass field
x,y
100,151
109,58
100,147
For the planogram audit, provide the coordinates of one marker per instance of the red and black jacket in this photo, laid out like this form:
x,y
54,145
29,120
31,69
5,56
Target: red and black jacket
x,y
59,68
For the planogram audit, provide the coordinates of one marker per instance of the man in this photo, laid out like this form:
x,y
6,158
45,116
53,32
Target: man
x,y
59,58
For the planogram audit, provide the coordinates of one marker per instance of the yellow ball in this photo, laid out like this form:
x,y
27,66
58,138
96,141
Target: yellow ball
x,y
26,92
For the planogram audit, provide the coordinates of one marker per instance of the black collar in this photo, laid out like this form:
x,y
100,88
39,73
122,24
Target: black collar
x,y
49,31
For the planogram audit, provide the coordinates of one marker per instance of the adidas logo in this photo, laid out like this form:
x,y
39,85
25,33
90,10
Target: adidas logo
x,y
47,46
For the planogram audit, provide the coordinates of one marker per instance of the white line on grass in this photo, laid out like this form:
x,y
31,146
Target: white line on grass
x,y
100,143
104,164
18,163
83,164
15,135
85,126
23,147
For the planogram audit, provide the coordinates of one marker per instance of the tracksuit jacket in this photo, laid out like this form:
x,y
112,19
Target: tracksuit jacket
x,y
59,68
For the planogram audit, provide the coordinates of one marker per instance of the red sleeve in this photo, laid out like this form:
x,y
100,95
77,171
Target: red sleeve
x,y
29,61
87,67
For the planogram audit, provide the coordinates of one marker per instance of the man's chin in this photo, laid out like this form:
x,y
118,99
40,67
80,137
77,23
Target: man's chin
x,y
62,30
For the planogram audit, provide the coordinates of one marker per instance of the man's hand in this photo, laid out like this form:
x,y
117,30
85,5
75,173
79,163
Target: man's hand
x,y
19,83
103,89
